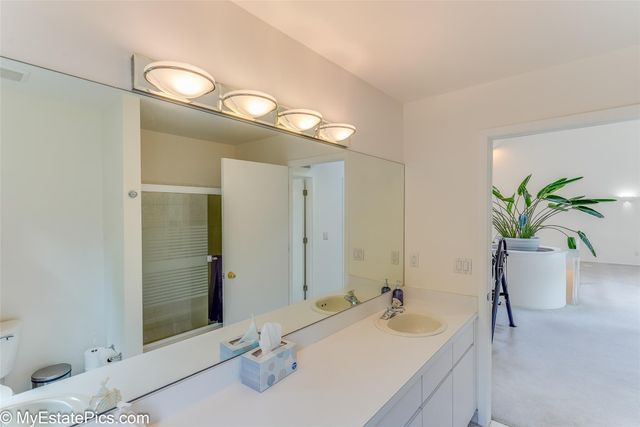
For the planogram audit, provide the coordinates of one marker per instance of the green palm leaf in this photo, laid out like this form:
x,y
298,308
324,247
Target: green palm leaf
x,y
522,188
555,186
583,201
589,211
557,199
586,241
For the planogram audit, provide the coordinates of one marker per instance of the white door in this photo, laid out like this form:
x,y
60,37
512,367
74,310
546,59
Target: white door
x,y
255,238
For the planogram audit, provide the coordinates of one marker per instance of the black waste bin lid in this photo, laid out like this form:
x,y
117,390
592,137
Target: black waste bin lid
x,y
51,373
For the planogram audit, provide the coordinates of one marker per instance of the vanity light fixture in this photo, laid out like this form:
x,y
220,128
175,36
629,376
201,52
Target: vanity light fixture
x,y
299,120
179,80
249,103
185,83
336,132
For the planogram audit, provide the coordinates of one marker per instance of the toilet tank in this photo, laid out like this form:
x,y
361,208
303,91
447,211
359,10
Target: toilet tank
x,y
9,339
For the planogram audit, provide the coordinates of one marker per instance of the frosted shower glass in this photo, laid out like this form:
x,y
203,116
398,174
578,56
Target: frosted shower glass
x,y
174,263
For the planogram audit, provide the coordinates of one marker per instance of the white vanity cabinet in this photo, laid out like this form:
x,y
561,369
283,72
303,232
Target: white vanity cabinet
x,y
438,410
442,394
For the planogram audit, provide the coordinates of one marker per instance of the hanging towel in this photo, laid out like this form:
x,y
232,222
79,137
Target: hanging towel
x,y
215,290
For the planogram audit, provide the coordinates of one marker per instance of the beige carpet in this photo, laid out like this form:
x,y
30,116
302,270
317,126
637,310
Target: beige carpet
x,y
576,366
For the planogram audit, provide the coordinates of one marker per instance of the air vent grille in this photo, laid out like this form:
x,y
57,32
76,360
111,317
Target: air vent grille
x,y
8,74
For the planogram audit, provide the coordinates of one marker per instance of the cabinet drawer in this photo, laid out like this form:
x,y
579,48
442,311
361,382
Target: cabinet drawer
x,y
462,342
401,413
436,371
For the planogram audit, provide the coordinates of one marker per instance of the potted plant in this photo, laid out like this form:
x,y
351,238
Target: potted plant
x,y
519,218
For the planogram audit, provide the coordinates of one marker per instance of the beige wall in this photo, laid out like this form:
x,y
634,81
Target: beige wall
x,y
178,160
281,149
375,210
95,40
444,160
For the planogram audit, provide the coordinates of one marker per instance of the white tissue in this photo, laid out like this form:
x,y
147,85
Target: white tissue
x,y
270,337
251,335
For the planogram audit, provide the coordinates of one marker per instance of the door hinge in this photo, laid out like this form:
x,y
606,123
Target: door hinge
x,y
305,240
305,192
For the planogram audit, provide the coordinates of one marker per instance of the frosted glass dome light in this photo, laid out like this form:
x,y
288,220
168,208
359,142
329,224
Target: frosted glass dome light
x,y
336,132
299,119
249,103
179,80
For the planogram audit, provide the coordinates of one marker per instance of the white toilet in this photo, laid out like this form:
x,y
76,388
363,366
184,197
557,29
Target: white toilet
x,y
9,338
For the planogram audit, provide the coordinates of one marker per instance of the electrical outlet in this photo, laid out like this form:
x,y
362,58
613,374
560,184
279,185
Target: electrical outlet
x,y
358,254
467,266
462,266
414,259
457,265
395,257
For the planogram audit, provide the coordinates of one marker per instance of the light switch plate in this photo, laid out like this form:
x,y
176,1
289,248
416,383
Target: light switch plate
x,y
414,259
462,265
358,254
395,257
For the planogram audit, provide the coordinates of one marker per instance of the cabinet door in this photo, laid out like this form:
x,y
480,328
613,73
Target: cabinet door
x,y
402,412
416,421
437,412
464,389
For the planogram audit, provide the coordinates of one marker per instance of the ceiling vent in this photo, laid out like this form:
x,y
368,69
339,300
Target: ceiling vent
x,y
12,75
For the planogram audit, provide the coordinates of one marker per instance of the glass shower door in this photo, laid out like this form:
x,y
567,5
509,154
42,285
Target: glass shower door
x,y
175,271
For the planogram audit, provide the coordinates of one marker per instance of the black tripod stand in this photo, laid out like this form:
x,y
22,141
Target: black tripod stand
x,y
500,282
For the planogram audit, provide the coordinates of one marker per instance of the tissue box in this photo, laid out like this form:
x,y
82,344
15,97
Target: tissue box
x,y
230,349
260,371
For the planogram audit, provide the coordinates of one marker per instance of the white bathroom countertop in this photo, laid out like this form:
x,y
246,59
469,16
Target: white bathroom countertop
x,y
342,380
140,374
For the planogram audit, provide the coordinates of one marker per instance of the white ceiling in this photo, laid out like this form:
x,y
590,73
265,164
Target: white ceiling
x,y
414,49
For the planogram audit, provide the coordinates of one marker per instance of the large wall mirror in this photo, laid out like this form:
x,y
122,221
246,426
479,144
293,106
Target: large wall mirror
x,y
152,233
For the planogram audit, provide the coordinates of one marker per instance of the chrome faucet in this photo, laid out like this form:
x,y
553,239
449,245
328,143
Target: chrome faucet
x,y
352,298
116,357
391,312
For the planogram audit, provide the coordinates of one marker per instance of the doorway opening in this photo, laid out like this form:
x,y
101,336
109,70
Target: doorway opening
x,y
573,357
317,230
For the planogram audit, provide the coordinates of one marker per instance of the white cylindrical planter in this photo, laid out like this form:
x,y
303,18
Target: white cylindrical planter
x,y
537,279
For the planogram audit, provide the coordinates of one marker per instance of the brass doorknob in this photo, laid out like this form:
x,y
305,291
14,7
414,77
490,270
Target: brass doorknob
x,y
231,275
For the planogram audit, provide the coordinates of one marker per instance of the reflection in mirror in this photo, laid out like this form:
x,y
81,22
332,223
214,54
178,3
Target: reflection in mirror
x,y
138,231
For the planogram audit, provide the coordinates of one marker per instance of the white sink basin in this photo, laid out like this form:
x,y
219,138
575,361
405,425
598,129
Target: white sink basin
x,y
62,405
412,324
331,304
